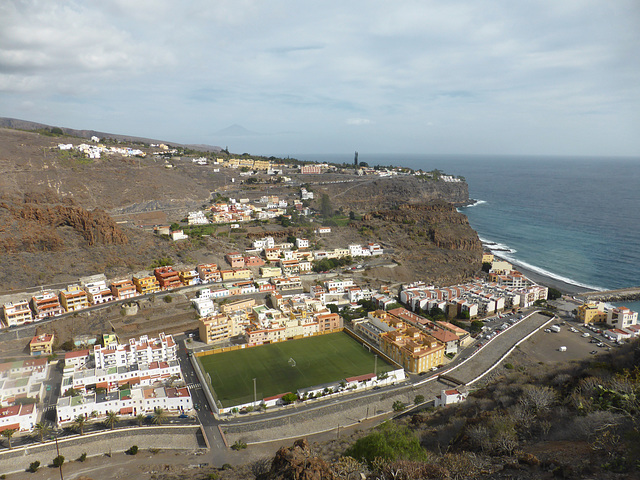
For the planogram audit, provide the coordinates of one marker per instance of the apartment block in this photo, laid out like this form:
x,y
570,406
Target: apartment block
x,y
235,259
46,304
215,328
17,313
189,277
209,273
41,344
74,298
167,277
146,284
123,289
416,351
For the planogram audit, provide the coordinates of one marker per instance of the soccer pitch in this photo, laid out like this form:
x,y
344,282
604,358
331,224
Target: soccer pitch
x,y
316,360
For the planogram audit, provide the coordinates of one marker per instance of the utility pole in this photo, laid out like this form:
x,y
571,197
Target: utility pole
x,y
375,367
58,450
255,398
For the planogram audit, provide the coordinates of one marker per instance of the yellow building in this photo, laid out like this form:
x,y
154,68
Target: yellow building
x,y
215,328
74,298
146,284
592,313
42,344
246,305
262,164
487,257
416,351
188,277
236,274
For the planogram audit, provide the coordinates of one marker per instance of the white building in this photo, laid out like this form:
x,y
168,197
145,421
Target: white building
x,y
448,397
142,351
197,218
302,243
204,306
17,313
621,317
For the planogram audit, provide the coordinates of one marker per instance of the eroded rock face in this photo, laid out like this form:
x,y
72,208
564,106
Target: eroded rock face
x,y
298,463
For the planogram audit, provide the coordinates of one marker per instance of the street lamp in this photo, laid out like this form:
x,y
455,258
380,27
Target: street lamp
x,y
255,398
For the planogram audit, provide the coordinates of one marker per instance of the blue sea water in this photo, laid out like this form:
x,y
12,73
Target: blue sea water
x,y
571,218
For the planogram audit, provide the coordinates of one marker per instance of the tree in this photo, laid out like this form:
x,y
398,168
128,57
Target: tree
x,y
159,416
8,433
554,293
486,266
42,429
34,466
325,206
289,398
112,419
79,423
174,227
140,419
58,461
398,406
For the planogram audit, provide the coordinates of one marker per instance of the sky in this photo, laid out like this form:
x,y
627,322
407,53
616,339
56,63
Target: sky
x,y
296,76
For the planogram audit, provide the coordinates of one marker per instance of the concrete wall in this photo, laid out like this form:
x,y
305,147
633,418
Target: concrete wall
x,y
189,437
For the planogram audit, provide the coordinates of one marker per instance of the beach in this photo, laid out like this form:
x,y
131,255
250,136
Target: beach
x,y
564,287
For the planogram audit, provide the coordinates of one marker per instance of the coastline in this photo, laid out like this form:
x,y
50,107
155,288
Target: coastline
x,y
564,287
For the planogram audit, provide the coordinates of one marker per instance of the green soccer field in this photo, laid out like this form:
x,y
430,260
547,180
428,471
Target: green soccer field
x,y
321,359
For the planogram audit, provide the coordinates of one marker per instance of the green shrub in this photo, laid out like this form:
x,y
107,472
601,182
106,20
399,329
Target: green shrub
x,y
398,406
167,299
419,399
509,366
34,466
133,450
388,442
239,445
58,461
82,457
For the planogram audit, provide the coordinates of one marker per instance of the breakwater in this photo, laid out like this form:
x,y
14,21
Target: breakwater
x,y
620,295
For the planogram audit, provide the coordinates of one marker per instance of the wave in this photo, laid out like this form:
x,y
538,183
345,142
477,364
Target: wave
x,y
504,251
475,203
497,247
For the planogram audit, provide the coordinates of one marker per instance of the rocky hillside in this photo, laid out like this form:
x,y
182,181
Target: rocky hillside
x,y
384,193
64,216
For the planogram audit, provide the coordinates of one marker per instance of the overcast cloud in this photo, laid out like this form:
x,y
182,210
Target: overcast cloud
x,y
503,77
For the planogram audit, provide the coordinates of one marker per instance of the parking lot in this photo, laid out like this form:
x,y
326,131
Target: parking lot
x,y
545,345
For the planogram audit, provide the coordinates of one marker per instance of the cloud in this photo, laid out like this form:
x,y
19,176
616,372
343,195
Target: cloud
x,y
154,67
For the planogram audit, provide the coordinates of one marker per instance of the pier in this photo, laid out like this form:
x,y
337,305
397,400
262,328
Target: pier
x,y
620,295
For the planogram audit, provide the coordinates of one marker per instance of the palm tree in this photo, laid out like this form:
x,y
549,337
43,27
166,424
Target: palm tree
x,y
8,433
112,419
79,422
140,419
43,429
159,416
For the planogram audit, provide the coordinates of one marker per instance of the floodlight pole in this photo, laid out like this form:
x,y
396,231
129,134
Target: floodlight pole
x,y
255,397
375,367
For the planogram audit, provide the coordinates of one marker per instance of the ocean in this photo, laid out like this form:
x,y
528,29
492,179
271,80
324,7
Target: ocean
x,y
575,219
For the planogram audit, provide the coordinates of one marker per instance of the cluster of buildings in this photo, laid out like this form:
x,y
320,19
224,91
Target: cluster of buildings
x,y
21,387
289,317
279,270
474,299
97,150
416,343
622,321
129,379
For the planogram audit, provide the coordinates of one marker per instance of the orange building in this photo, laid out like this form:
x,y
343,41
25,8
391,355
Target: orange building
x,y
167,277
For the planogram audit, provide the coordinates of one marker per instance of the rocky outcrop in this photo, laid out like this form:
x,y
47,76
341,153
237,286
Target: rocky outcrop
x,y
95,227
297,463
